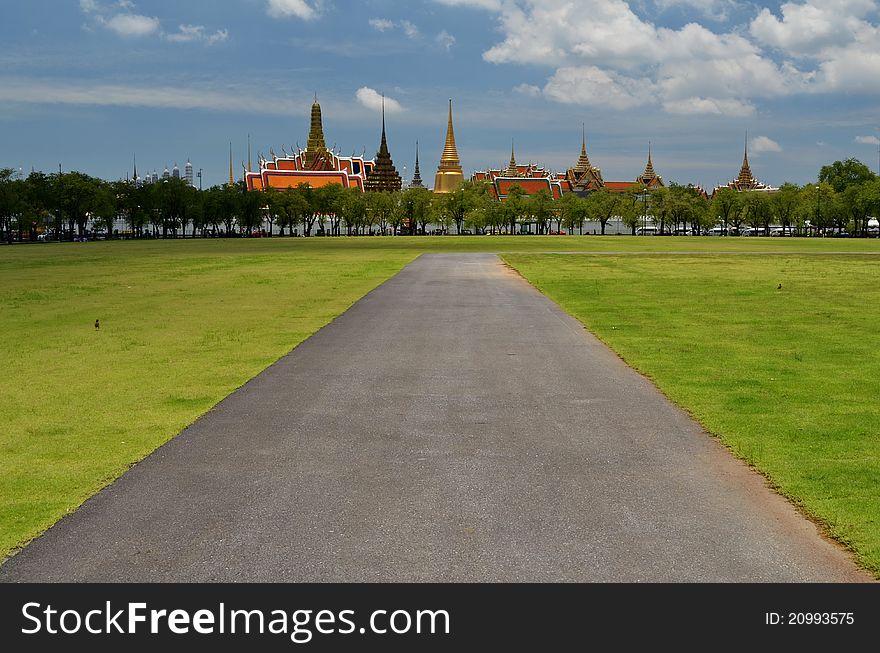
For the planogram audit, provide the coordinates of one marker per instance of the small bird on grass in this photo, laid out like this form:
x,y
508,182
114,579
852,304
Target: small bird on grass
x,y
97,325
779,287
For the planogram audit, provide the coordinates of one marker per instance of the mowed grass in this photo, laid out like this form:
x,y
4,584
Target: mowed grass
x,y
787,378
183,324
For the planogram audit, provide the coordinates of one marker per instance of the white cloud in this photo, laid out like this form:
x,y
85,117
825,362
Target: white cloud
x,y
867,140
528,89
381,24
603,53
196,33
372,99
592,86
88,6
384,25
493,5
446,40
714,106
24,91
293,8
131,25
409,29
762,144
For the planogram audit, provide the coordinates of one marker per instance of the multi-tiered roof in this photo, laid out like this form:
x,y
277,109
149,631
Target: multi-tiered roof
x,y
384,176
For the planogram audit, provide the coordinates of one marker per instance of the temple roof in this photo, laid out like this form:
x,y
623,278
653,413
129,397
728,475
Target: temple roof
x,y
417,177
384,176
512,168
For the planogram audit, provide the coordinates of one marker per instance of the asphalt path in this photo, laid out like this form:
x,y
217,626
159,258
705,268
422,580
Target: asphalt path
x,y
454,425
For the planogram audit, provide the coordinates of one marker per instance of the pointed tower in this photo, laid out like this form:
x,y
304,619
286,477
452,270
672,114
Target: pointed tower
x,y
449,172
134,178
417,177
316,155
231,173
584,177
649,177
583,165
512,169
384,176
249,168
746,181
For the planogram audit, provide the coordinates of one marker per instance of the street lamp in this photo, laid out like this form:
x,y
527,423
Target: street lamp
x,y
200,178
818,209
645,198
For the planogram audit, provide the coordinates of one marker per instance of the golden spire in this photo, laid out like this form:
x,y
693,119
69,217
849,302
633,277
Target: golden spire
x,y
649,173
316,149
449,173
450,152
745,179
231,173
512,169
583,165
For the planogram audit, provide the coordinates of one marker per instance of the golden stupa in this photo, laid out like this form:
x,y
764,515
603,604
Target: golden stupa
x,y
449,173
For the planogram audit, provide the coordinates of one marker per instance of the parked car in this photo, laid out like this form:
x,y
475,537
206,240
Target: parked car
x,y
646,231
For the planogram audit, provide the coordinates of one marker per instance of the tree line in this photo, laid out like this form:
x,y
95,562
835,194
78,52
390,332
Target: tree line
x,y
65,206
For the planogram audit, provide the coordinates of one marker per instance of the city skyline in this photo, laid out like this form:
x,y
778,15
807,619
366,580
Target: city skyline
x,y
150,78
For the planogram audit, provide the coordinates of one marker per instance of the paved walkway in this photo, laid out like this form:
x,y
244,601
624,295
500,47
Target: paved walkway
x,y
454,425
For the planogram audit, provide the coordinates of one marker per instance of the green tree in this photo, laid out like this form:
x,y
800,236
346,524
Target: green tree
x,y
756,207
572,211
840,175
515,206
726,205
604,205
327,200
540,207
783,205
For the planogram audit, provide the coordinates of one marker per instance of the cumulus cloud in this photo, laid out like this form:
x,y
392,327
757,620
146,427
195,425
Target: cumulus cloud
x,y
446,40
196,33
762,144
293,8
372,99
867,140
131,25
603,53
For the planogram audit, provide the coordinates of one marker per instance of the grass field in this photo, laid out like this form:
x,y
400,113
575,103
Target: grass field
x,y
183,324
788,378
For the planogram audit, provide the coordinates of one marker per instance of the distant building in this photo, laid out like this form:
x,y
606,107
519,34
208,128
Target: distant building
x,y
449,173
175,172
384,176
315,166
188,172
746,182
530,178
166,174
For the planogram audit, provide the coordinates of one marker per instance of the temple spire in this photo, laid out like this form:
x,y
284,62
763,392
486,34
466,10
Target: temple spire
x,y
745,179
512,169
249,168
583,165
417,177
649,173
384,176
316,150
231,173
449,172
135,176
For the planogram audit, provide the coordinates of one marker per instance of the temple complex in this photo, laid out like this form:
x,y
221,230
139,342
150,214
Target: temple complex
x,y
746,181
315,166
384,176
648,179
585,177
449,173
530,178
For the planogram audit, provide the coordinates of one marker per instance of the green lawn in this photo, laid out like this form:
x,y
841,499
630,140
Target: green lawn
x,y
788,379
184,323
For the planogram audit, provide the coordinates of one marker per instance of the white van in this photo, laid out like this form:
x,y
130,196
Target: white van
x,y
646,231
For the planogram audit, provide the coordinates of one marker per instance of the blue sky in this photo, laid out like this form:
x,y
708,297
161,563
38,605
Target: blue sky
x,y
89,83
